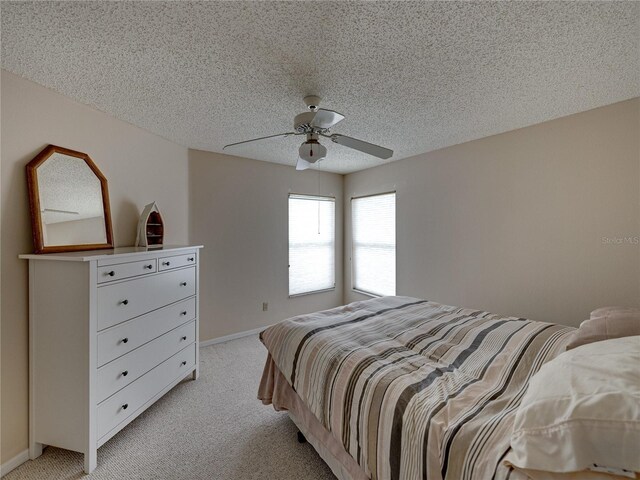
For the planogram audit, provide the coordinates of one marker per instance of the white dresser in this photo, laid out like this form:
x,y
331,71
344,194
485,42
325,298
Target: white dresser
x,y
110,332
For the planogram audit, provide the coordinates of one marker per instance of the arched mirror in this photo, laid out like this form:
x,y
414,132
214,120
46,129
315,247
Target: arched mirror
x,y
69,202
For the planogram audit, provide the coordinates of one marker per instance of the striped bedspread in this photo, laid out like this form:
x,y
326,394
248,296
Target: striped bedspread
x,y
414,389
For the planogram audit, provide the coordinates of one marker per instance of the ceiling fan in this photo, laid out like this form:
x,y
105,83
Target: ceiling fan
x,y
314,124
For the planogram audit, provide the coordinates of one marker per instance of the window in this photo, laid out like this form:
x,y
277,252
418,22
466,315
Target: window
x,y
374,244
312,229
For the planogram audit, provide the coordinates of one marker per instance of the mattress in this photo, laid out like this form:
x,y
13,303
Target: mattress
x,y
408,388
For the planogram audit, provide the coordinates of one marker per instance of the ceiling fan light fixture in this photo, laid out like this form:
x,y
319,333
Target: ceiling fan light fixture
x,y
312,151
316,123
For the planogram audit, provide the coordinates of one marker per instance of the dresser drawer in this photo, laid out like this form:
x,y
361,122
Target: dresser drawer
x,y
123,404
110,273
177,261
116,341
125,300
123,371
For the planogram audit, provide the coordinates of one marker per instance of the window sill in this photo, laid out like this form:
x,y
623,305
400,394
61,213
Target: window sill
x,y
368,294
332,289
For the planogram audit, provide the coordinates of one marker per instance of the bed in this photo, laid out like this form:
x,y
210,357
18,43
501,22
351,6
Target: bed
x,y
402,388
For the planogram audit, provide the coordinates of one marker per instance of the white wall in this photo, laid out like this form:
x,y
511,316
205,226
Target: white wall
x,y
239,211
140,168
515,223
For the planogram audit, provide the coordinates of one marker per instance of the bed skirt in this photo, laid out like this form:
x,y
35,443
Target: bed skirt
x,y
274,390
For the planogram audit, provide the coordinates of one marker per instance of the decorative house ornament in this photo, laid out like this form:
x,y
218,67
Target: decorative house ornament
x,y
150,228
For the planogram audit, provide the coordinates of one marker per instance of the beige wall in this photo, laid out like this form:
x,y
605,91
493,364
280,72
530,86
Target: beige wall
x,y
515,223
512,223
239,211
140,168
85,231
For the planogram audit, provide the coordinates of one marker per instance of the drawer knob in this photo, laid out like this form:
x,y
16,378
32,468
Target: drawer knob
x,y
125,406
183,284
166,263
183,338
191,259
124,340
125,373
111,273
183,363
148,267
182,314
125,302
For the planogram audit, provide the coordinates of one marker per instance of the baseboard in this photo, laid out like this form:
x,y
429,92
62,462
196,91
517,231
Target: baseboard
x,y
233,336
14,462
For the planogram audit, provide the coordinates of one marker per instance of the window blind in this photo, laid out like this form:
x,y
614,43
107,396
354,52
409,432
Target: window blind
x,y
311,244
374,244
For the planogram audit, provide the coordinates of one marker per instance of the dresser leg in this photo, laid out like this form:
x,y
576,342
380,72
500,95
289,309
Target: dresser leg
x,y
90,461
195,374
35,450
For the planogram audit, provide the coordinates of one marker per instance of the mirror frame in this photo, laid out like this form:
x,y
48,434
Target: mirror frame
x,y
34,202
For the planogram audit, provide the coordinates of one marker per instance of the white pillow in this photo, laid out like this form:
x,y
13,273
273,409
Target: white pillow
x,y
607,323
582,411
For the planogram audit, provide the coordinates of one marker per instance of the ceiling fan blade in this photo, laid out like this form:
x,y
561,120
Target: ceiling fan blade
x,y
361,145
326,118
302,164
261,138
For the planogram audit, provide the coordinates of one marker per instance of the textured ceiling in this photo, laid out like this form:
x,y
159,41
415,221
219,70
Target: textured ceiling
x,y
69,190
411,76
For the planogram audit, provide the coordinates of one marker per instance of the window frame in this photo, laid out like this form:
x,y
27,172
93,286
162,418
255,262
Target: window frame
x,y
322,198
353,276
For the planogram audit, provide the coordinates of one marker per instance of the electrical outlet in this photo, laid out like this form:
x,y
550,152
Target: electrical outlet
x,y
265,306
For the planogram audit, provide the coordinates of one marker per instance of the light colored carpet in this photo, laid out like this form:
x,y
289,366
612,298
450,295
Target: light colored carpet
x,y
213,428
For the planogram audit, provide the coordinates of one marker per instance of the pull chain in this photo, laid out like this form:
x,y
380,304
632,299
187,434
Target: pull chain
x,y
318,190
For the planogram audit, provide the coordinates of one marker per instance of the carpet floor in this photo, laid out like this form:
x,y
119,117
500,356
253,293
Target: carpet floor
x,y
213,428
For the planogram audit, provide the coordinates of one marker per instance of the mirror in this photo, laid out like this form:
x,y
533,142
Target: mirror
x,y
69,202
